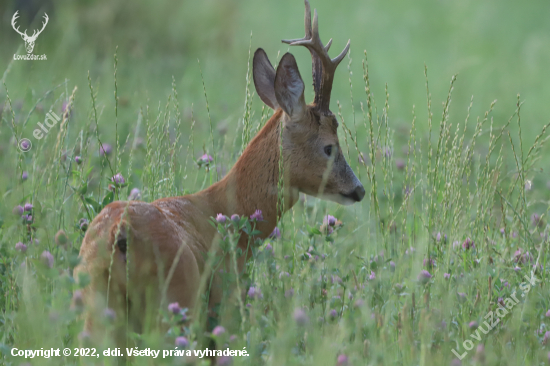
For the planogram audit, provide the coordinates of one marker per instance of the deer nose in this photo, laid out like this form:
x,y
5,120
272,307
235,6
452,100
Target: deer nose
x,y
357,194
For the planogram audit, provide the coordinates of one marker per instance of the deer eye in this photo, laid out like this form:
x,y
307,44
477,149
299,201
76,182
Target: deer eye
x,y
328,150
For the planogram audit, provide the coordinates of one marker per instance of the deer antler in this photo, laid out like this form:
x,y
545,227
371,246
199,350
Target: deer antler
x,y
323,67
13,19
35,34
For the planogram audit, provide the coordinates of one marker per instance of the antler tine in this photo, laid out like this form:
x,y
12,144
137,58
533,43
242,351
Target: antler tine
x,y
43,24
342,54
323,67
13,20
329,43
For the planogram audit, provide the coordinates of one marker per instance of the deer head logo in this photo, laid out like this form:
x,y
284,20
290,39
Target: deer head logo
x,y
29,41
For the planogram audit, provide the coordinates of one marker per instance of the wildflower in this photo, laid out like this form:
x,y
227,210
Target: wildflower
x,y
392,266
276,233
118,179
84,336
500,301
456,362
284,274
536,220
428,264
461,296
78,160
446,276
300,317
546,337
61,238
218,331
255,293
21,247
473,325
400,164
342,360
516,268
105,150
456,244
289,293
47,258
181,342
517,255
83,224
438,237
502,231
205,160
18,210
372,276
269,248
24,176
27,219
221,218
333,314
424,277
329,220
174,308
109,314
548,314
257,216
224,361
480,353
135,194
235,218
233,338
467,244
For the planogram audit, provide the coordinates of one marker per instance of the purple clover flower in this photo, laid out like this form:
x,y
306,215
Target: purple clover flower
x,y
47,259
221,218
257,216
329,220
300,317
424,277
18,210
276,233
118,179
135,194
218,331
105,150
21,247
174,308
181,342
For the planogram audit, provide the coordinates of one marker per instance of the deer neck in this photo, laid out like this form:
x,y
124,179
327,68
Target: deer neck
x,y
252,182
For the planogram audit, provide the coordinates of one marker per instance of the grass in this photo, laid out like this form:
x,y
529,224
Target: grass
x,y
457,190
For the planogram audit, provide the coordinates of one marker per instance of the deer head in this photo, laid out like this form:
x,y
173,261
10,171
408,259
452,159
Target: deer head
x,y
310,141
29,40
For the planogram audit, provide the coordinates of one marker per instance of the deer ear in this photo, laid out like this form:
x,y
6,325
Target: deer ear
x,y
289,87
264,78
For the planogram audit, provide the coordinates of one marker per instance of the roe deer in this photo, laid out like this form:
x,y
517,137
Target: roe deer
x,y
148,236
